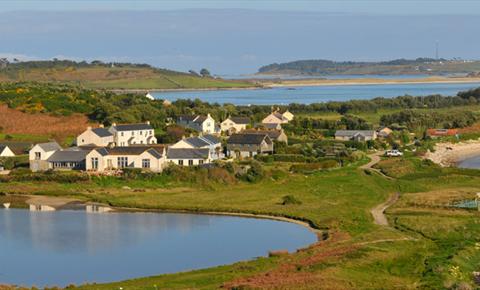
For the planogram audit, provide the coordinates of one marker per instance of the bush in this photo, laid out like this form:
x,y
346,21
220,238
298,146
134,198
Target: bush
x,y
289,158
290,199
311,167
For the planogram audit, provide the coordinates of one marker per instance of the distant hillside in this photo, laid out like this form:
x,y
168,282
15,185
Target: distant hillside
x,y
109,75
394,67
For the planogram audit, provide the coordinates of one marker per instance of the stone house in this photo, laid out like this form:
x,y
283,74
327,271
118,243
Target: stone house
x,y
355,135
248,145
278,118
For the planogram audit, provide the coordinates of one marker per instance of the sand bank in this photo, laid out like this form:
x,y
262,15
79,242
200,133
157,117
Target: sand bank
x,y
449,154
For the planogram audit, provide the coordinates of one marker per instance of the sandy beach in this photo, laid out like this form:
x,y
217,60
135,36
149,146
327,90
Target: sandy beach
x,y
449,154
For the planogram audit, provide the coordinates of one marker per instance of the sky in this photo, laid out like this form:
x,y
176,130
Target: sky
x,y
237,37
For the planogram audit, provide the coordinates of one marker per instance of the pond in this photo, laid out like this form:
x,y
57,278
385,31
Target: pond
x,y
63,247
316,94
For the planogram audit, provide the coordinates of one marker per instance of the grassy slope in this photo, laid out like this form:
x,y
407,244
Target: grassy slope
x,y
358,254
119,78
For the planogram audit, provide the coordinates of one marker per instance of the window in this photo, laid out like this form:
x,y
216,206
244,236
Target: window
x,y
38,155
145,163
151,132
95,163
141,132
190,162
200,162
122,162
180,162
133,133
121,134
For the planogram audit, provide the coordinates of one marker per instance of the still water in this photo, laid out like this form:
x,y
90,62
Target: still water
x,y
472,162
63,247
315,94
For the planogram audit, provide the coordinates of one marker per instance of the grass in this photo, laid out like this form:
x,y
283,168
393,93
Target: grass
x,y
432,246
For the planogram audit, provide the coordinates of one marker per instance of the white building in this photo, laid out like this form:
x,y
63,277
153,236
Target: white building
x,y
95,136
5,151
213,143
142,157
133,134
204,124
188,156
40,153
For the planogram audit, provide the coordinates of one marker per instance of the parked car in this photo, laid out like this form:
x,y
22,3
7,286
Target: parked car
x,y
393,153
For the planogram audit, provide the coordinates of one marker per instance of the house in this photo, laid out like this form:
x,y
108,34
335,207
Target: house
x,y
249,144
5,151
384,132
278,118
208,141
189,156
356,135
39,154
275,135
114,158
68,159
435,133
204,124
133,134
234,124
271,126
95,136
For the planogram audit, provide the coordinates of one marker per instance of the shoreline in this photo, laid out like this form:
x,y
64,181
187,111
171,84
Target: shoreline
x,y
268,84
450,154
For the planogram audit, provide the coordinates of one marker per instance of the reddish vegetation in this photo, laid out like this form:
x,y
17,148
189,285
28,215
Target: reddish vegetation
x,y
293,272
475,128
15,122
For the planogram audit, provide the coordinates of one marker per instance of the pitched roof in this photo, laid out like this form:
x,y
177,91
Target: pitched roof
x,y
2,147
187,153
188,118
50,146
211,139
247,138
240,120
351,133
102,132
273,134
68,156
130,150
196,142
200,119
132,127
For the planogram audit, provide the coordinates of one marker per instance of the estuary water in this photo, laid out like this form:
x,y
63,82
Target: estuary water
x,y
63,247
315,94
472,163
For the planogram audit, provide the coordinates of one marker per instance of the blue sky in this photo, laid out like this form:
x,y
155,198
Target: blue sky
x,y
237,37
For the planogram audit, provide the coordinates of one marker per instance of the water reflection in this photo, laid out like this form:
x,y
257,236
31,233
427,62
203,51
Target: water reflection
x,y
62,247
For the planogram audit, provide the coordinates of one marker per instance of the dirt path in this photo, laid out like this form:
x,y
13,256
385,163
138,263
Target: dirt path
x,y
374,159
378,212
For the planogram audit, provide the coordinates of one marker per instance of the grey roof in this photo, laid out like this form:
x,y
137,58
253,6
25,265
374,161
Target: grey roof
x,y
273,134
240,120
196,142
351,133
269,125
188,118
200,119
2,147
50,146
211,138
187,153
132,127
130,150
68,156
248,138
102,132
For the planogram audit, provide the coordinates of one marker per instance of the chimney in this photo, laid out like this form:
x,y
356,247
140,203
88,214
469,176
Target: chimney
x,y
89,128
114,124
208,115
148,122
101,126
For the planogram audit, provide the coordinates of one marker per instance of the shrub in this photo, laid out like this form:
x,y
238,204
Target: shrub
x,y
311,167
290,199
289,158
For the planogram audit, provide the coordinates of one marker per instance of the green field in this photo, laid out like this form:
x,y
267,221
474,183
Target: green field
x,y
430,245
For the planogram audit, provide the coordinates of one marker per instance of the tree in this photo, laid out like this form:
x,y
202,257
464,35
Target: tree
x,y
204,72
